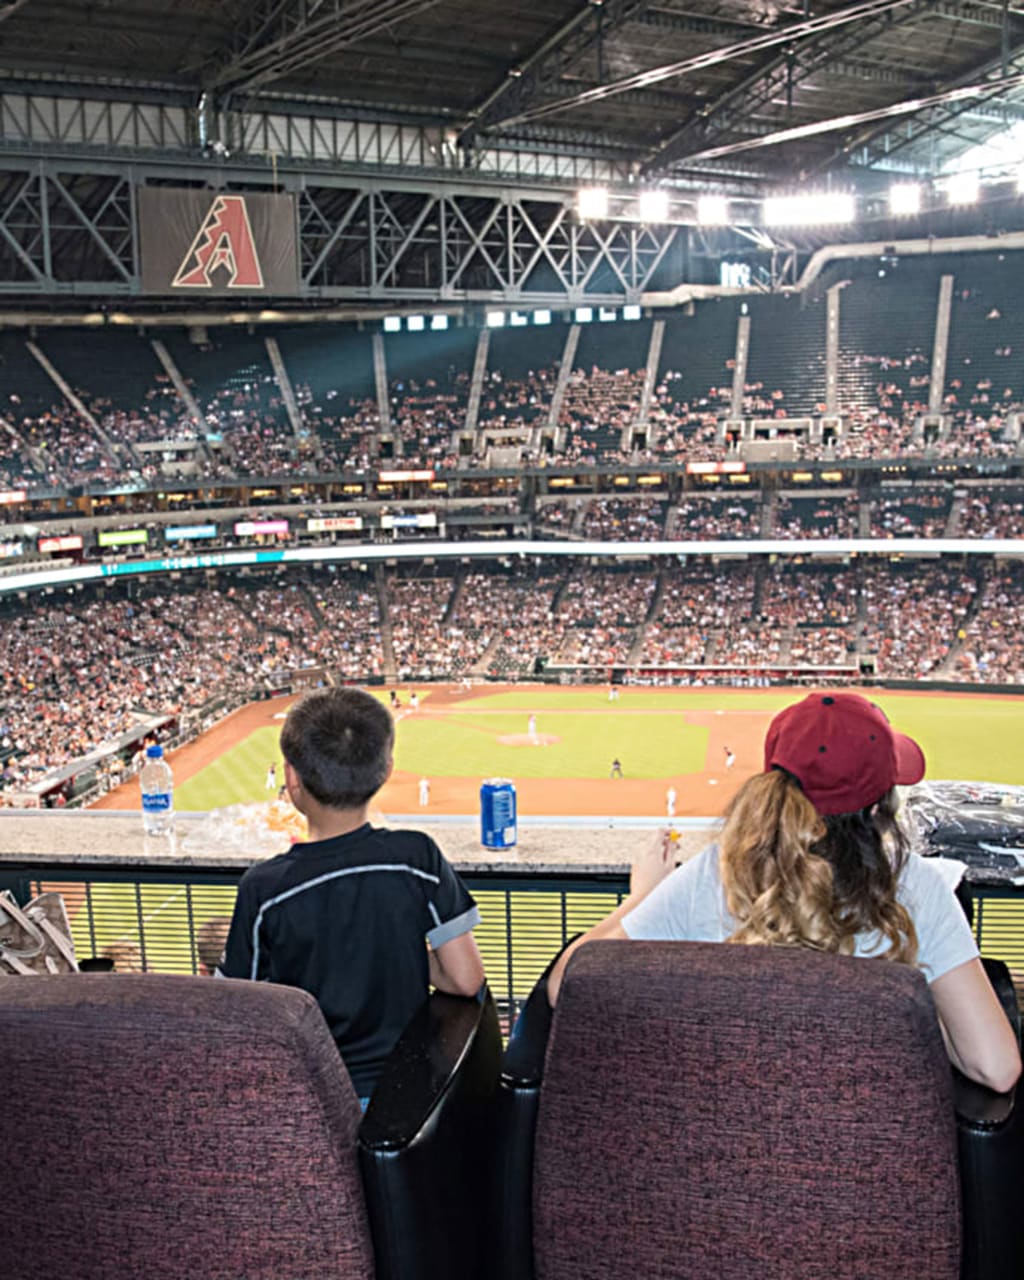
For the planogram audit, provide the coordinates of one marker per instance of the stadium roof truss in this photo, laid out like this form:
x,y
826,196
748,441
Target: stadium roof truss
x,y
434,146
71,228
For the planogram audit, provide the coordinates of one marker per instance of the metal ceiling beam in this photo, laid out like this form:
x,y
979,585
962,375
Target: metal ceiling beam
x,y
697,24
644,79
779,76
524,81
995,74
283,36
963,96
8,7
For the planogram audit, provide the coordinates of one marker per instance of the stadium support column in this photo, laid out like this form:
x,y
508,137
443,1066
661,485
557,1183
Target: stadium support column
x,y
284,384
643,416
65,389
177,381
483,346
380,375
940,347
562,381
832,351
739,373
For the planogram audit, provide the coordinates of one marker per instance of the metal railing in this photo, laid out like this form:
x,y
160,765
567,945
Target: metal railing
x,y
150,920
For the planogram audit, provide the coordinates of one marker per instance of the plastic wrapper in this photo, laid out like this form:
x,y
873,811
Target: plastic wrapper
x,y
978,823
260,830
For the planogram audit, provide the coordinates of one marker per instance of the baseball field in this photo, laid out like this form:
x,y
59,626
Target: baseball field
x,y
663,738
558,745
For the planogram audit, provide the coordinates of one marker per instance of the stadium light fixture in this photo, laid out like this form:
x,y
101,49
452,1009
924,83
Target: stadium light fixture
x,y
712,211
963,188
605,314
653,206
439,322
415,324
814,209
392,324
542,316
495,319
592,202
905,198
583,315
516,319
632,312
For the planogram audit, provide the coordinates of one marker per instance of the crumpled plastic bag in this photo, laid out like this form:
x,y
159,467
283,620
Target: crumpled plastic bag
x,y
257,829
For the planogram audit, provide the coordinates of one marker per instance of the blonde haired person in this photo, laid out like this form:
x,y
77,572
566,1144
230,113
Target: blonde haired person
x,y
811,855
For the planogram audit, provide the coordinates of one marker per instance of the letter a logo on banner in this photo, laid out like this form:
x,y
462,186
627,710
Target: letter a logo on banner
x,y
224,243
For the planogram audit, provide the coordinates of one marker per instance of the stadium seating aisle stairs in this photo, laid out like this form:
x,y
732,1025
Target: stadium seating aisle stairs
x,y
387,642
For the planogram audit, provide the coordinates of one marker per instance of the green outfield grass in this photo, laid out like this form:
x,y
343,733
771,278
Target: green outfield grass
x,y
237,777
970,737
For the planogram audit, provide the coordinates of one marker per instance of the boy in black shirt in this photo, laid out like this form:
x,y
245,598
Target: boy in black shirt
x,y
349,915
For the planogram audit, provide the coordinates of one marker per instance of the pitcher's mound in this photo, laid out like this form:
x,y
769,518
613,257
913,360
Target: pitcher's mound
x,y
528,740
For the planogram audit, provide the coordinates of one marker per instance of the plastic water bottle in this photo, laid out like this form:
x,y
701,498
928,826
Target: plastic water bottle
x,y
157,784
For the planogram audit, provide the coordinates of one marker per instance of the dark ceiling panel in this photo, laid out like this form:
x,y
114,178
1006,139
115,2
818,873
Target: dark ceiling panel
x,y
442,62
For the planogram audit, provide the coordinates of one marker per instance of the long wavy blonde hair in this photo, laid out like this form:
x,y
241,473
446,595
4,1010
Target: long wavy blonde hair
x,y
793,878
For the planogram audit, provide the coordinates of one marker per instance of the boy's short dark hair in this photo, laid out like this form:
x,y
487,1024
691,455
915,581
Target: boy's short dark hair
x,y
339,742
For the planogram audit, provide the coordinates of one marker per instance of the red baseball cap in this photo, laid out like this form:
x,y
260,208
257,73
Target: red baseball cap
x,y
842,750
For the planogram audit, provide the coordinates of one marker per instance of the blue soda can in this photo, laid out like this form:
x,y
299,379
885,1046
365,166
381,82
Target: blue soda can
x,y
498,813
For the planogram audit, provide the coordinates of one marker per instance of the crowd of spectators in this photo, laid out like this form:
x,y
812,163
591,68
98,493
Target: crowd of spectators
x,y
915,513
237,416
554,519
826,516
599,408
995,514
709,519
913,616
246,431
65,450
624,520
795,595
424,417
992,645
80,668
422,647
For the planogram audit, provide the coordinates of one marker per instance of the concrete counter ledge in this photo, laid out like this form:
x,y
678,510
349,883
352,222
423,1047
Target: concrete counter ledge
x,y
547,846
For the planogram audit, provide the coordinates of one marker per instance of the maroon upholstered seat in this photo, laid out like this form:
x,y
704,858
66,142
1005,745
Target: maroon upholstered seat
x,y
166,1127
744,1113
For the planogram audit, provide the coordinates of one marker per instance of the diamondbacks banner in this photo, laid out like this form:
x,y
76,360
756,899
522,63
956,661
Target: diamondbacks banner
x,y
207,243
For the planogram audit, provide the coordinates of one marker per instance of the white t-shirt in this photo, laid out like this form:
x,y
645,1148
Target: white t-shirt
x,y
689,906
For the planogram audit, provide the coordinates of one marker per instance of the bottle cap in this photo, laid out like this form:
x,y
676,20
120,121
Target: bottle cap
x,y
154,751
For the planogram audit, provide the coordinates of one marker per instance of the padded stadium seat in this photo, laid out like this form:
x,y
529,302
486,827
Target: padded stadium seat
x,y
167,1127
712,1111
990,1133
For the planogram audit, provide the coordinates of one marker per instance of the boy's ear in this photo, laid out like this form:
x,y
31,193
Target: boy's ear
x,y
293,783
391,769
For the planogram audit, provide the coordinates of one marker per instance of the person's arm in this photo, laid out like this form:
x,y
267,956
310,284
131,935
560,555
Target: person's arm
x,y
978,1035
453,958
652,866
456,967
